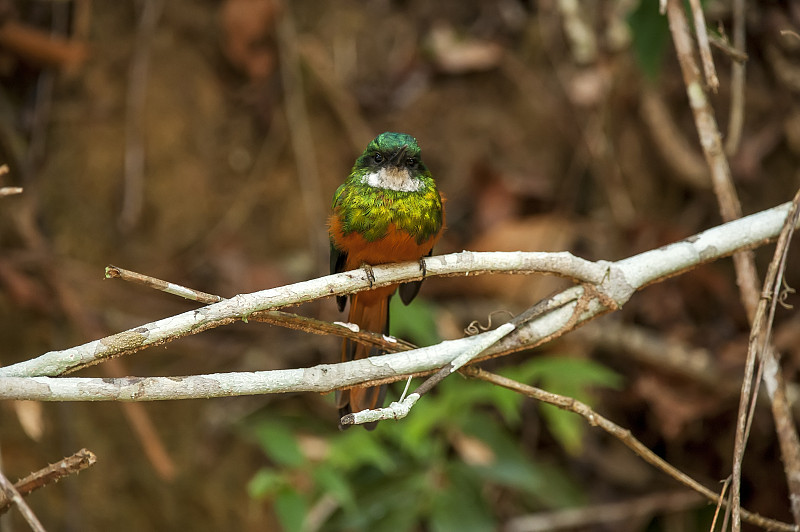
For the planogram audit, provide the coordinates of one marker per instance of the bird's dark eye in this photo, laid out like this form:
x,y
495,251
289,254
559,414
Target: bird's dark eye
x,y
378,158
411,162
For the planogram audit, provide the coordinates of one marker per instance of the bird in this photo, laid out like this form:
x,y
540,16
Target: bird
x,y
387,210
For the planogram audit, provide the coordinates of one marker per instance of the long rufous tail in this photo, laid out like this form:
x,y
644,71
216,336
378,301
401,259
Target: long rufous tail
x,y
370,311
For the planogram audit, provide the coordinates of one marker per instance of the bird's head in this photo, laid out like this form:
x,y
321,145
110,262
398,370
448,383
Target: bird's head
x,y
392,161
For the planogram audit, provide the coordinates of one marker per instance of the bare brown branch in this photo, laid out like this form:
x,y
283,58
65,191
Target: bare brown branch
x,y
624,435
746,275
736,113
50,474
11,493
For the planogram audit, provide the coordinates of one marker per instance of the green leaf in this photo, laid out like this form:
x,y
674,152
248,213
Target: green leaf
x,y
357,448
279,443
461,397
331,481
265,483
564,373
650,37
513,468
291,509
387,503
571,377
415,322
566,427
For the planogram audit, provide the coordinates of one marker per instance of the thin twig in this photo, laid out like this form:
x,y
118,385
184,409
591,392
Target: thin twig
x,y
273,317
51,474
719,505
400,409
725,47
760,348
702,43
608,513
632,273
12,493
115,272
736,113
619,280
624,435
10,191
711,142
746,276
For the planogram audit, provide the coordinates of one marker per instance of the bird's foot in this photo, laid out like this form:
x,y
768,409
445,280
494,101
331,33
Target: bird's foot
x,y
423,267
370,274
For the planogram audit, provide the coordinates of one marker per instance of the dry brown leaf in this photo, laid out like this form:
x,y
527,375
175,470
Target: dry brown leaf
x,y
31,418
313,447
472,450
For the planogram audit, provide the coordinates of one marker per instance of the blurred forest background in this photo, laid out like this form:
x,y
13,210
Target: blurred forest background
x,y
200,142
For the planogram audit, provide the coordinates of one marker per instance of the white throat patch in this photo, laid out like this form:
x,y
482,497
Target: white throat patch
x,y
393,179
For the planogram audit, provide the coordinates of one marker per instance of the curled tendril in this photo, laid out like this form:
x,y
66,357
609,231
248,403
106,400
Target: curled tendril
x,y
784,294
475,327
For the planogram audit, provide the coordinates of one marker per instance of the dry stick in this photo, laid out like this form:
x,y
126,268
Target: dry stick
x,y
719,505
587,296
321,378
725,47
137,417
50,474
114,272
400,409
620,279
10,191
746,276
273,317
711,142
760,347
12,493
240,307
702,44
607,513
337,328
736,113
624,435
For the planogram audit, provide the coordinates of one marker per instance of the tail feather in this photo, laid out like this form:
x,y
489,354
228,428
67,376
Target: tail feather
x,y
370,311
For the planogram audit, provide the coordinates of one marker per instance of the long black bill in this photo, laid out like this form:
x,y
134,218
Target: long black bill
x,y
399,156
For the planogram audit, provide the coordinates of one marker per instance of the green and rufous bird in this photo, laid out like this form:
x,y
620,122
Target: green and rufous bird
x,y
388,210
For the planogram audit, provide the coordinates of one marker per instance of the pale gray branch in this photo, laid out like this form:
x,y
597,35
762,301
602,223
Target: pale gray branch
x,y
613,284
241,306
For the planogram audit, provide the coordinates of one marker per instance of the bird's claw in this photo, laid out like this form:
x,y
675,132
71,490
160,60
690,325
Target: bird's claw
x,y
423,267
370,274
